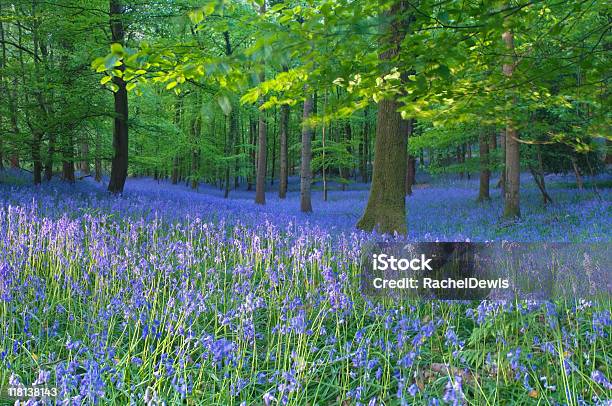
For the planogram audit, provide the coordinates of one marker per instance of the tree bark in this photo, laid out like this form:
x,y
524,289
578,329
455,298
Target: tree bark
x,y
98,158
366,146
578,175
513,167
232,135
85,158
119,167
386,208
306,170
485,173
252,130
410,166
410,174
284,151
262,155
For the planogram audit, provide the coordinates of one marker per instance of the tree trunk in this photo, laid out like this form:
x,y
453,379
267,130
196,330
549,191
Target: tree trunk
x,y
410,174
578,175
262,153
410,166
49,160
85,158
306,171
386,208
460,160
119,168
252,130
98,158
485,173
260,183
232,135
538,177
366,141
513,167
273,166
68,158
284,135
37,169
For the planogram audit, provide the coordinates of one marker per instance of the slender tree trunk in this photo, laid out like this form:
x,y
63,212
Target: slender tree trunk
x,y
98,158
85,158
232,135
485,173
513,168
579,181
410,174
284,135
262,153
348,136
68,157
460,160
306,170
252,139
273,166
366,141
37,169
194,169
260,183
119,168
49,160
538,177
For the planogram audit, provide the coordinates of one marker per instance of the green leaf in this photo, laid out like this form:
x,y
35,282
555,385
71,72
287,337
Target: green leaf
x,y
277,7
116,49
171,85
111,61
444,71
105,80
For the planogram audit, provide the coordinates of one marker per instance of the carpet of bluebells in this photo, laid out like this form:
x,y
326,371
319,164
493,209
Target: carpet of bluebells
x,y
171,296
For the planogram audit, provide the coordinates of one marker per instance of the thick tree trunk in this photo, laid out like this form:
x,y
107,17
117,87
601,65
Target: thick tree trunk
x,y
284,151
386,208
410,165
485,173
306,171
119,168
513,167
